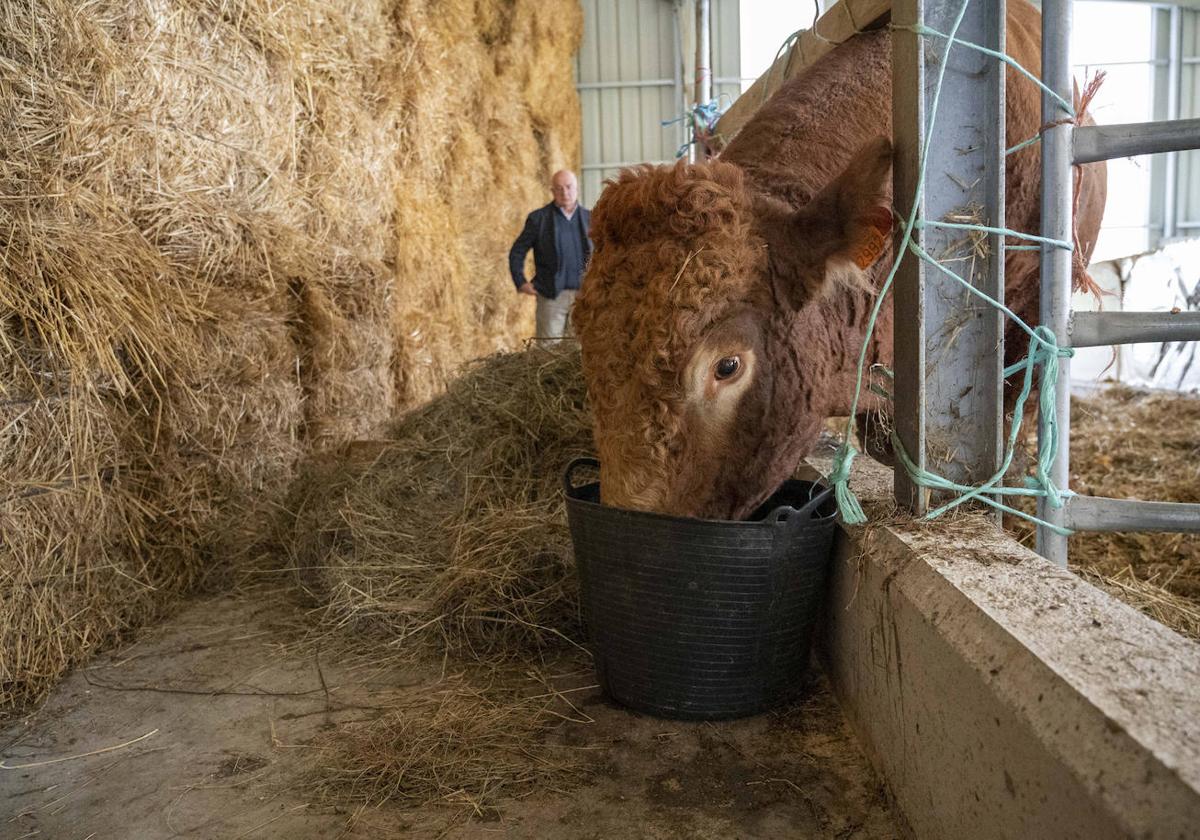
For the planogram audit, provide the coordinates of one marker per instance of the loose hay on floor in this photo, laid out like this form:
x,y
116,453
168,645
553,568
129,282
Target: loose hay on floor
x,y
1139,445
458,744
1135,444
448,540
1150,596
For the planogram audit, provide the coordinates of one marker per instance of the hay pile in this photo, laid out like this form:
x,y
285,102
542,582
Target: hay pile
x,y
234,232
451,534
1130,444
1133,444
448,541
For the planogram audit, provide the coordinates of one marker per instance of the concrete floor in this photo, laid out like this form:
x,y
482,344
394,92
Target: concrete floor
x,y
202,729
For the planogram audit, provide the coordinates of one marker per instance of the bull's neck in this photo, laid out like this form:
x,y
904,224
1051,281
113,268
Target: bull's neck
x,y
827,337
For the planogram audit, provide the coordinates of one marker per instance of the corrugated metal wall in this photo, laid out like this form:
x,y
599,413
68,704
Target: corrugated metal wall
x,y
633,69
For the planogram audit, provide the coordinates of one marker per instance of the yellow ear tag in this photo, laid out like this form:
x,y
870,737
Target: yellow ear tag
x,y
871,236
870,246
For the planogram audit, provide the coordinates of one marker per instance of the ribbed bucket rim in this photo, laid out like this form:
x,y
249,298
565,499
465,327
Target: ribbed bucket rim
x,y
769,520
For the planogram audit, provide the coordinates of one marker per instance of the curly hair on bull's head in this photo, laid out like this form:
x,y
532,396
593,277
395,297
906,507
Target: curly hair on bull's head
x,y
687,318
684,201
674,250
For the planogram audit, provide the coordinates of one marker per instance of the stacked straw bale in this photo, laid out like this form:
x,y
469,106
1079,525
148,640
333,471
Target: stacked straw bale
x,y
233,231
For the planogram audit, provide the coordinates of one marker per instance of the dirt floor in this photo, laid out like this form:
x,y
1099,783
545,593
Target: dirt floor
x,y
203,728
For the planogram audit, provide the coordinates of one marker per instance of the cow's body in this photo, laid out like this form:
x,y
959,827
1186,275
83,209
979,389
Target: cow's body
x,y
752,263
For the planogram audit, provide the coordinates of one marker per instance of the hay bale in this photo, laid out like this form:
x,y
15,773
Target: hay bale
x,y
486,107
68,581
452,532
207,272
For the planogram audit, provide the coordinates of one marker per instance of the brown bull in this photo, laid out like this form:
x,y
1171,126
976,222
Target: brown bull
x,y
726,302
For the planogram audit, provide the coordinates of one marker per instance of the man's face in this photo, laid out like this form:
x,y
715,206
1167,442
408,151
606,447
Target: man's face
x,y
565,189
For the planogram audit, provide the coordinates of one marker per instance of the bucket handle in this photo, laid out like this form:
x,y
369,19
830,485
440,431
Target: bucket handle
x,y
569,472
786,513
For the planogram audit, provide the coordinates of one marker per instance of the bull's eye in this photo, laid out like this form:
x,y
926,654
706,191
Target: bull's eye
x,y
727,367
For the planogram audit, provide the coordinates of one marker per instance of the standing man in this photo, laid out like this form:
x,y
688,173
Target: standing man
x,y
558,235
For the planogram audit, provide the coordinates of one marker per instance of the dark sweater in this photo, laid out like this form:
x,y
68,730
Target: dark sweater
x,y
553,271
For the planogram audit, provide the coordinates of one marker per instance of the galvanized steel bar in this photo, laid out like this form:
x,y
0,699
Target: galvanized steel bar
x,y
681,98
1099,329
704,74
636,83
1056,263
1105,142
948,362
1174,83
1095,513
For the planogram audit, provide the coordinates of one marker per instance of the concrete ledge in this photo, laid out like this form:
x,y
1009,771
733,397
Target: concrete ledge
x,y
1002,697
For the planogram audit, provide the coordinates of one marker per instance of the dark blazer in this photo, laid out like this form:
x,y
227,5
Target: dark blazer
x,y
538,234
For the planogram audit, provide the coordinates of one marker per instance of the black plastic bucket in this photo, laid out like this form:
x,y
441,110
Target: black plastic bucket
x,y
699,619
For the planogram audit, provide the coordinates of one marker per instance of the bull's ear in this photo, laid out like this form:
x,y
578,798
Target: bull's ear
x,y
849,222
841,233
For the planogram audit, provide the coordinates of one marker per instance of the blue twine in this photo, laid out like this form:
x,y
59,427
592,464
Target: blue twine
x,y
703,117
1037,138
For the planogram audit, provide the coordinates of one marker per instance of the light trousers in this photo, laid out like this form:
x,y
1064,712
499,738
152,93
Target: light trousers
x,y
554,316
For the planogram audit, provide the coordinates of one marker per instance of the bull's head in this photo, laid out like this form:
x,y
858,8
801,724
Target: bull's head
x,y
709,323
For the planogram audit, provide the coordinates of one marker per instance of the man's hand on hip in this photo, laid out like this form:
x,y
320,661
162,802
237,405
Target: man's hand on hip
x,y
527,289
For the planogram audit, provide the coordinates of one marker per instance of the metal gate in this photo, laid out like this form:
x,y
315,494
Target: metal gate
x,y
948,404
1063,146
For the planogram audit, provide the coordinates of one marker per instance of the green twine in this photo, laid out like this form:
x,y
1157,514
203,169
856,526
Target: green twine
x,y
1027,142
839,477
848,504
879,389
1057,243
787,44
1044,352
921,29
1007,59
